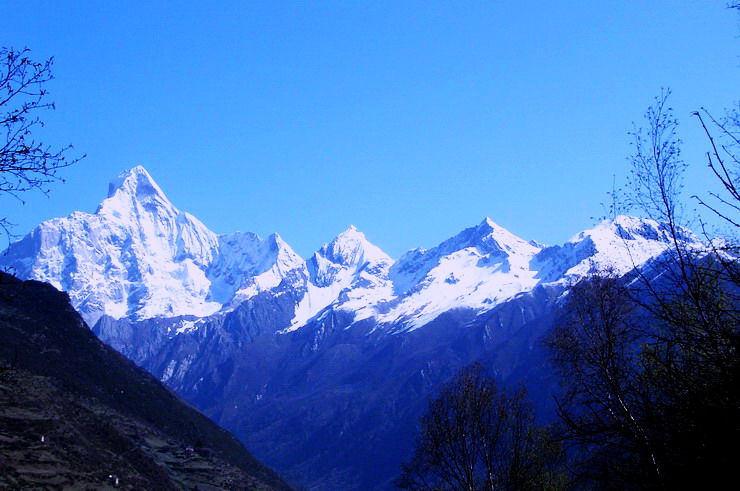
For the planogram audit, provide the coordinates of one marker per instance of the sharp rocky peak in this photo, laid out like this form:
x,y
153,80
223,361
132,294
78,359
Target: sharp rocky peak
x,y
131,189
351,247
135,181
618,244
631,228
489,238
352,234
277,241
488,224
284,252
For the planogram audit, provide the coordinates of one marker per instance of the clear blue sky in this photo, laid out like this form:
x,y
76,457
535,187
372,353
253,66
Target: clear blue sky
x,y
411,120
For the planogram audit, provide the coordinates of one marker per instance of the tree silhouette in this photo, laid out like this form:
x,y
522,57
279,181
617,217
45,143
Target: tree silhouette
x,y
25,162
476,435
651,363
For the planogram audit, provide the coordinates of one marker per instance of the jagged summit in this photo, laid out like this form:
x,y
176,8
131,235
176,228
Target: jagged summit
x,y
488,238
632,228
499,238
139,257
488,226
480,266
134,188
488,222
352,235
134,181
619,244
351,248
635,236
349,273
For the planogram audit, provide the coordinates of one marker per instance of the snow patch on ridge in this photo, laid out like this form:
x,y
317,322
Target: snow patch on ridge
x,y
350,273
478,268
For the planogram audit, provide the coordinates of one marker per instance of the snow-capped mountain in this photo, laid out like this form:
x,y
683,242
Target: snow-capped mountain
x,y
328,354
617,245
246,265
478,268
139,257
348,273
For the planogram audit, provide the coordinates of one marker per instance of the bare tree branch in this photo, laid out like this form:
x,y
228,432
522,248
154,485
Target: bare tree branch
x,y
26,163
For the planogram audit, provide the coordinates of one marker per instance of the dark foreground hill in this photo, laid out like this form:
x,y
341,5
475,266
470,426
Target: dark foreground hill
x,y
74,412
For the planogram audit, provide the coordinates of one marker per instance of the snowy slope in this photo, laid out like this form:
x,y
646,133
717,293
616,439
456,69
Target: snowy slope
x,y
477,268
247,265
618,245
349,273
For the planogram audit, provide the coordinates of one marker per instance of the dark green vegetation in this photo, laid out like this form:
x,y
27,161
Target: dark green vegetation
x,y
99,414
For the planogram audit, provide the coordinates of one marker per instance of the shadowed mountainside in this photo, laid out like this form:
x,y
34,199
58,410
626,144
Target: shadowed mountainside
x,y
98,413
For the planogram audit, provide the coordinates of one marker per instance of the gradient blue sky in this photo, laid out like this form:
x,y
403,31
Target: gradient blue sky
x,y
411,120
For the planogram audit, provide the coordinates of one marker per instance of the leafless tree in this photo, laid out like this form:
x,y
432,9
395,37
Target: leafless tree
x,y
25,162
605,407
476,436
651,363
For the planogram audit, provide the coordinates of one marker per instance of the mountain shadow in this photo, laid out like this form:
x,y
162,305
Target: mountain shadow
x,y
74,412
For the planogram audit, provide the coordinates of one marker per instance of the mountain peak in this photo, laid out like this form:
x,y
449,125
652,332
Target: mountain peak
x,y
283,248
351,231
350,239
276,238
135,182
352,247
131,189
490,228
489,237
628,228
487,222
